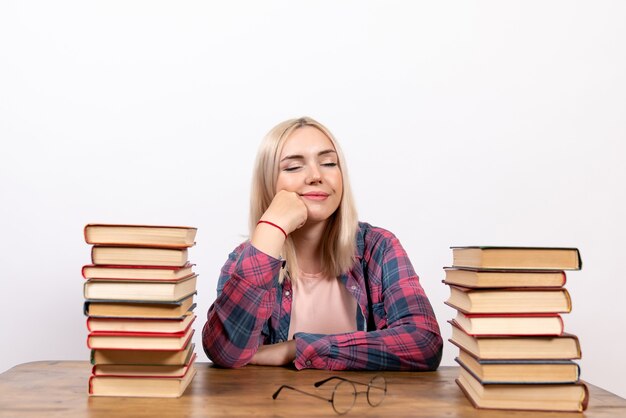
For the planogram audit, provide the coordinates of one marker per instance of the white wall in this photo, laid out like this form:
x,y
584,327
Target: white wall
x,y
464,123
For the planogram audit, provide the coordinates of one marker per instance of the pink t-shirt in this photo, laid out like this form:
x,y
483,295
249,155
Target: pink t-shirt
x,y
321,305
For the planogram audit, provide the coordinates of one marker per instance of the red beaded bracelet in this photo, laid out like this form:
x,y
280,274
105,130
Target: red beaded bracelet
x,y
274,225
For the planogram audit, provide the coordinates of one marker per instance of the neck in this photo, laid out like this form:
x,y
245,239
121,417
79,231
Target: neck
x,y
307,241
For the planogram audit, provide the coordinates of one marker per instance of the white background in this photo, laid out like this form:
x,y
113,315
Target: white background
x,y
499,123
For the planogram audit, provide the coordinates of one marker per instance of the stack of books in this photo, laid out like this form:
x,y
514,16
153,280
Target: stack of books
x,y
139,301
514,352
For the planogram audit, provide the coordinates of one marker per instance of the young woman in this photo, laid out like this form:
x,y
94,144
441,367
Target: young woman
x,y
314,286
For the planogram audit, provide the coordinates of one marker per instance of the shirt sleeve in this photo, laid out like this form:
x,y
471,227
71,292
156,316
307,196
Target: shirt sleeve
x,y
406,335
246,295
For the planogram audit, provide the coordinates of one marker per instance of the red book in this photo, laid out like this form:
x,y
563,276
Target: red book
x,y
139,340
136,273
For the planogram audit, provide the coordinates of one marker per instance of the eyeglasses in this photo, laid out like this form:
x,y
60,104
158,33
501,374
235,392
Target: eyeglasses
x,y
344,393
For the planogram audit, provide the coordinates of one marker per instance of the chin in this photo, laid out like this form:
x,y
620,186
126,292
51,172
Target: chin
x,y
319,217
316,219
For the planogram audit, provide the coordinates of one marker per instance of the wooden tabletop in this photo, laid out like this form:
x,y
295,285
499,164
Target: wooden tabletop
x,y
59,388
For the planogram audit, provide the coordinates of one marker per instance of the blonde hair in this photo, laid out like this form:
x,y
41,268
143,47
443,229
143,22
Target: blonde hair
x,y
339,239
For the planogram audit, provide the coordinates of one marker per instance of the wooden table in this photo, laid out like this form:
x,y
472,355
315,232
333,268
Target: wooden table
x,y
59,389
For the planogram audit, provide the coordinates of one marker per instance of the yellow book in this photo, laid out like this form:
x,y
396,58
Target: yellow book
x,y
556,397
140,235
509,301
552,258
133,386
561,347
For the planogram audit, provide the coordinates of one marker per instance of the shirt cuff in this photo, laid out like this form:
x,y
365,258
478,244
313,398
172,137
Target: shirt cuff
x,y
312,351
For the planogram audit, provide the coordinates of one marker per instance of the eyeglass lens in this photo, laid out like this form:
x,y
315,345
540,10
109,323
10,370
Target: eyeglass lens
x,y
344,397
376,390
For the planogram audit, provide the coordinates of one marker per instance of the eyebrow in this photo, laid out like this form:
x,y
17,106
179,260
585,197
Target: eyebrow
x,y
301,157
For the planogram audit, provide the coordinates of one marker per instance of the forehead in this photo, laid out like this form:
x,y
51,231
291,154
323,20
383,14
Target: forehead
x,y
306,140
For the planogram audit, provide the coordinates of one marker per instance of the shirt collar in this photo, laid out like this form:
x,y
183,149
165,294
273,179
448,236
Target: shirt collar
x,y
360,242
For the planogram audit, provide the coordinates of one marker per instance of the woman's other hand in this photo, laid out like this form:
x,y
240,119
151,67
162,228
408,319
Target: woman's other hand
x,y
277,354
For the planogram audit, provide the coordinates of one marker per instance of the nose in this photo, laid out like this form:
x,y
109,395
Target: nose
x,y
313,175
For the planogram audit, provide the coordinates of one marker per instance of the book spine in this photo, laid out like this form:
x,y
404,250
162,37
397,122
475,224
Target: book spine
x,y
584,402
580,266
85,233
569,300
85,289
89,342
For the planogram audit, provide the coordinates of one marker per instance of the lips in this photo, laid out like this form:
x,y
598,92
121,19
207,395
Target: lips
x,y
315,195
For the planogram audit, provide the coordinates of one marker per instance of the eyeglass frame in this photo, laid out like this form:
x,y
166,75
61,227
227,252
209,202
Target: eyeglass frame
x,y
332,397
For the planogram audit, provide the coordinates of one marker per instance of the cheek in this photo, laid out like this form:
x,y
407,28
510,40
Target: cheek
x,y
285,183
338,184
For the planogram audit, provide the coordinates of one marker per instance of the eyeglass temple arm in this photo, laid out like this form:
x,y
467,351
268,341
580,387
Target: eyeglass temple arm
x,y
321,382
275,395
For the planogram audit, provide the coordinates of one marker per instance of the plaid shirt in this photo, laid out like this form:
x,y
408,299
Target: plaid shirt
x,y
396,323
